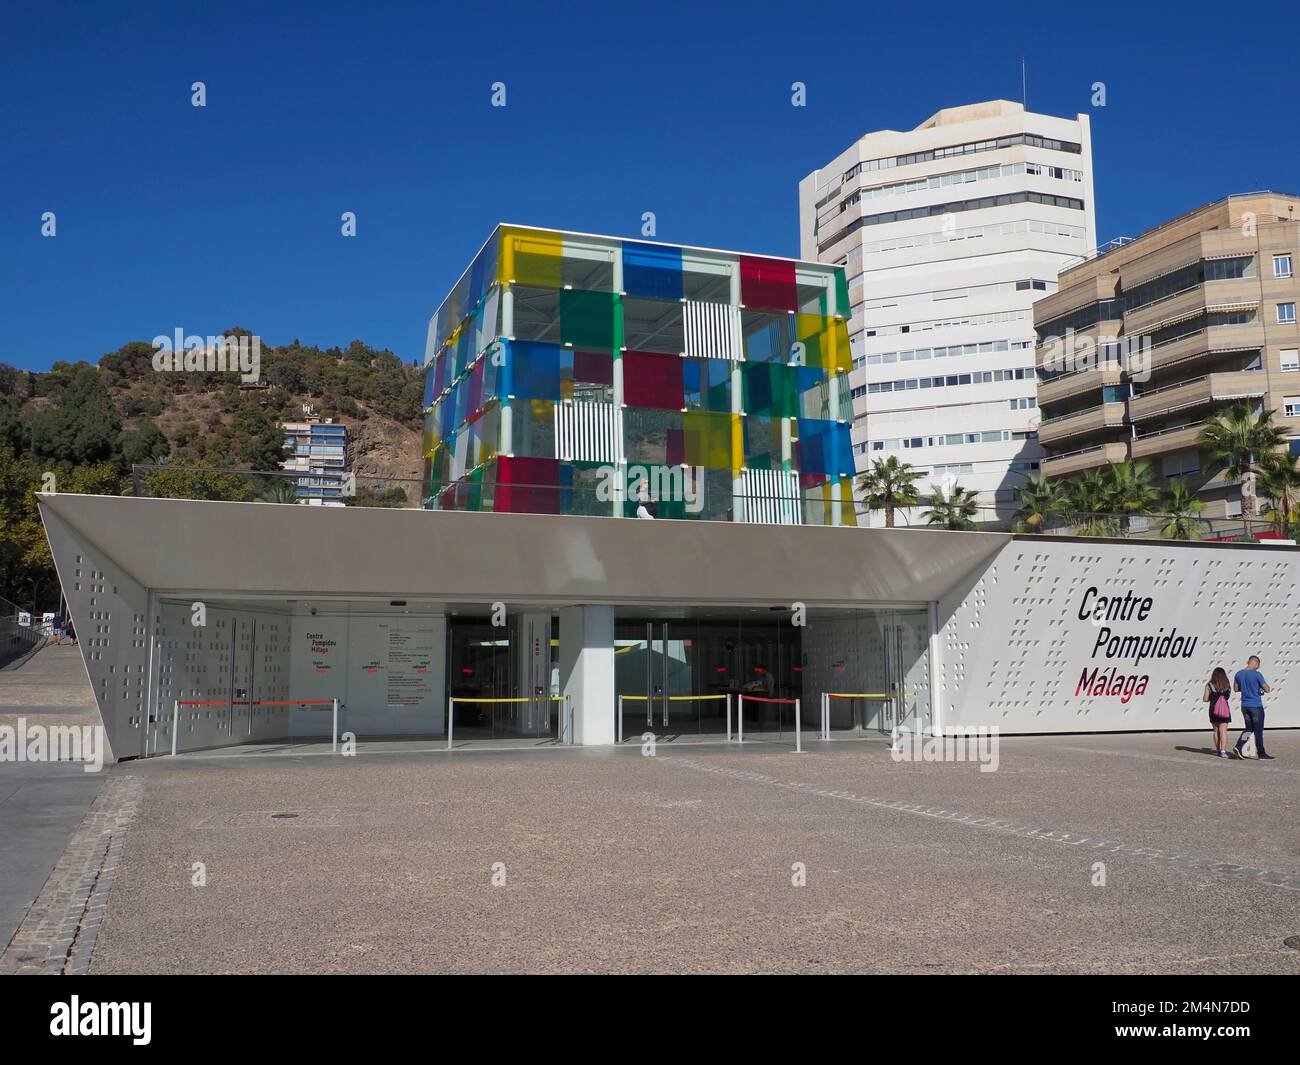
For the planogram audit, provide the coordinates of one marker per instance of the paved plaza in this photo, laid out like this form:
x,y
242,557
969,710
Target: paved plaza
x,y
615,862
707,857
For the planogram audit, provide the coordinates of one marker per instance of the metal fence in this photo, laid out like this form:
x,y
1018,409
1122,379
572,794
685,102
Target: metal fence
x,y
16,638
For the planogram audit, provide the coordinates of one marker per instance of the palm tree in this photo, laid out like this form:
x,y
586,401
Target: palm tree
x,y
1182,509
1133,490
1040,501
1238,440
1087,501
955,510
887,485
1279,482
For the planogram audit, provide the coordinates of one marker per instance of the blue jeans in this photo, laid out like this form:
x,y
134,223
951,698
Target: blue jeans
x,y
1253,717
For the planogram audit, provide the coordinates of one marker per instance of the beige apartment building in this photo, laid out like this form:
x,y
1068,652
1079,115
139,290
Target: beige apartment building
x,y
1139,344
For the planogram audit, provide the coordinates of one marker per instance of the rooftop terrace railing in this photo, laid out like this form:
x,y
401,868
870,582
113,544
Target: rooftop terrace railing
x,y
276,486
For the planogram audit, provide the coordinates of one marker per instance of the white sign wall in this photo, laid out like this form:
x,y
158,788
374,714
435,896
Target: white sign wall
x,y
1075,637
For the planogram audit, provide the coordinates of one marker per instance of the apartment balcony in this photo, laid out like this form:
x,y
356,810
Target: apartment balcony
x,y
1216,340
1224,387
1189,301
1209,296
1081,383
1086,458
1163,441
1093,420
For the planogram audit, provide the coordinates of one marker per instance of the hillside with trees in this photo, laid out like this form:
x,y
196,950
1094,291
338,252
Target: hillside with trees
x,y
88,423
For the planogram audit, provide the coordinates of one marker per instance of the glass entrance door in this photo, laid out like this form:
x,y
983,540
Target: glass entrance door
x,y
676,677
504,678
907,666
642,676
655,678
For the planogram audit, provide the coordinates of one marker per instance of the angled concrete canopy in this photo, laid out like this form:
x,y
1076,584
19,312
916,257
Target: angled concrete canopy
x,y
171,545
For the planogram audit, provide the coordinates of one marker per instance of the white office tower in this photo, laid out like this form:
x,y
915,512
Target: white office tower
x,y
948,234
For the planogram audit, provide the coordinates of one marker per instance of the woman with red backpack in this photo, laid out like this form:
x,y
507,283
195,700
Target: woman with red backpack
x,y
1216,694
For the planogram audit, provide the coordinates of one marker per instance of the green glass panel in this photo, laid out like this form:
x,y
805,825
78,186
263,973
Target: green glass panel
x,y
587,319
771,389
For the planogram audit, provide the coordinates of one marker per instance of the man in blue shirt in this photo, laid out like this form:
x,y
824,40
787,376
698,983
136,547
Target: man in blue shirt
x,y
1252,685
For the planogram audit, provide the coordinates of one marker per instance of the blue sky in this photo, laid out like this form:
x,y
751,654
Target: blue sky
x,y
172,216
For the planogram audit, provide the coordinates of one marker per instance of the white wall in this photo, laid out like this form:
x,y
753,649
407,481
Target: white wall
x,y
239,654
1013,648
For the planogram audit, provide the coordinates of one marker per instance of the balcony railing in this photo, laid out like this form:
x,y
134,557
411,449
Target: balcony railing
x,y
1168,429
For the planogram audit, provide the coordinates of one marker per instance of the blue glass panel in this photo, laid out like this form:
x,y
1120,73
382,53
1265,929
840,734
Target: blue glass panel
x,y
825,447
533,369
807,377
652,271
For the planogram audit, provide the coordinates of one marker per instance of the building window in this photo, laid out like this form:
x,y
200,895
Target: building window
x,y
1183,464
1286,313
1290,359
1282,265
1291,406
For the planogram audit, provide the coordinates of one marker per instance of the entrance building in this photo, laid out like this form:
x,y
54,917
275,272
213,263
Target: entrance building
x,y
206,624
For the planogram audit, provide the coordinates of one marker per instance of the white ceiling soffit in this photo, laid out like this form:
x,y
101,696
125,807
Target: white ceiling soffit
x,y
260,548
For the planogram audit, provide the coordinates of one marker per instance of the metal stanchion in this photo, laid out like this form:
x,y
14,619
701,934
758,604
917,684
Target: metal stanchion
x,y
728,717
620,719
798,734
176,723
451,718
335,747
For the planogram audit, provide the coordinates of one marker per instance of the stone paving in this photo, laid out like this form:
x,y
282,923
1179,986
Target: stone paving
x,y
59,932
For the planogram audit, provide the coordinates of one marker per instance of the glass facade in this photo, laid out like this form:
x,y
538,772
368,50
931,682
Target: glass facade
x,y
574,374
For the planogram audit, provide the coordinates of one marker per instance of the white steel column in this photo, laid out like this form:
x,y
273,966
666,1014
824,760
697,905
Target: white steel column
x,y
508,331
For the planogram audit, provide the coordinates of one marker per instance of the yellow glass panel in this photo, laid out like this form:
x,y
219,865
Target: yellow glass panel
x,y
825,341
840,359
531,257
713,440
848,515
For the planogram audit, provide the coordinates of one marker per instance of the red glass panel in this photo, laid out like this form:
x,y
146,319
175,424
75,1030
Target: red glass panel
x,y
527,485
768,284
593,367
652,380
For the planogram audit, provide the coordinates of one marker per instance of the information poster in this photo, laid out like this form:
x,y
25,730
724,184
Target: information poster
x,y
409,665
